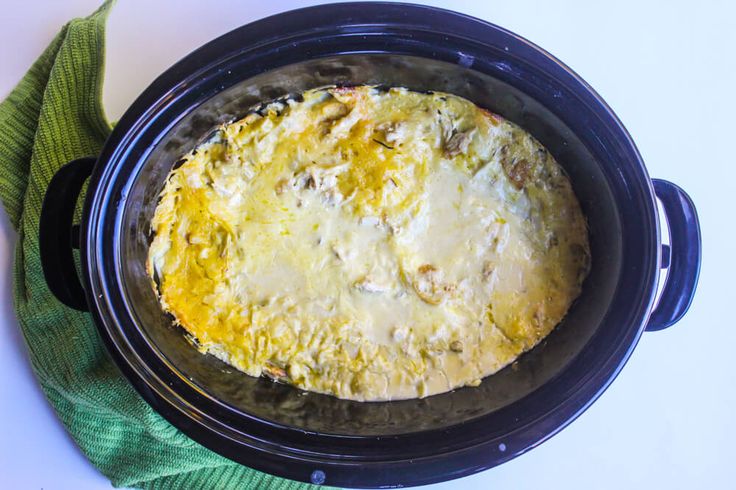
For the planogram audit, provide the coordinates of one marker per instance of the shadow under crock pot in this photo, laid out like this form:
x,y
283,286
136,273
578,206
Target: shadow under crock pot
x,y
321,413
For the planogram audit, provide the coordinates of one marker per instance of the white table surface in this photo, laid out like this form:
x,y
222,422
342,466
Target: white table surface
x,y
666,67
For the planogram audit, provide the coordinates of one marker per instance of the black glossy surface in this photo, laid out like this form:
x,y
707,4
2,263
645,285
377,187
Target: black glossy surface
x,y
57,236
327,414
274,428
683,257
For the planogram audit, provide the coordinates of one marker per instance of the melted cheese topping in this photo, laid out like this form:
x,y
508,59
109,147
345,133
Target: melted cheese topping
x,y
369,244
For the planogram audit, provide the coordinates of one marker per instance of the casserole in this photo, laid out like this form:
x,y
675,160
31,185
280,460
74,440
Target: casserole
x,y
318,438
367,243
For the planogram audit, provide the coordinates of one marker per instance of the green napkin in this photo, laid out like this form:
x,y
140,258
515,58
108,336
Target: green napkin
x,y
53,116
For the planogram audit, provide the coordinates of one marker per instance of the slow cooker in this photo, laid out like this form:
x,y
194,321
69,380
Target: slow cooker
x,y
318,438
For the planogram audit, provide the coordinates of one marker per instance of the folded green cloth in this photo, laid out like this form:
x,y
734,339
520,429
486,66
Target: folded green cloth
x,y
53,116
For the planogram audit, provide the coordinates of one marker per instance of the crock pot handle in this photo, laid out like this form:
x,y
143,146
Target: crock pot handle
x,y
681,258
57,235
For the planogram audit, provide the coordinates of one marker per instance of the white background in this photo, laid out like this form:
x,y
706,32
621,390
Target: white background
x,y
668,68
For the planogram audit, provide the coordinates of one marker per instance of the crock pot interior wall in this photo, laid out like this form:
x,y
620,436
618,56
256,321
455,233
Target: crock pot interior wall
x,y
321,413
